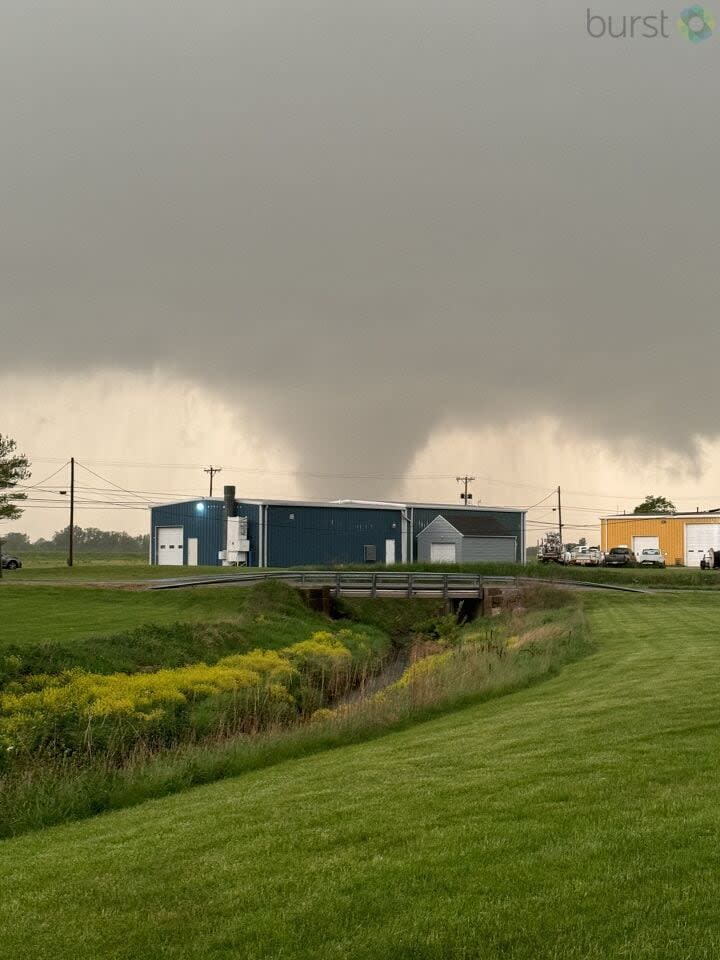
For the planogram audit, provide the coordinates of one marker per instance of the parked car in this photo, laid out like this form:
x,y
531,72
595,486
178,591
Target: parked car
x,y
10,563
620,557
651,557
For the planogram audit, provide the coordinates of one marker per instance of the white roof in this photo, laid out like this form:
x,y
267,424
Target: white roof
x,y
358,504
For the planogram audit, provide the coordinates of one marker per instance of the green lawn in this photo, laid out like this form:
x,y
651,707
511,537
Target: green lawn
x,y
56,614
106,570
50,628
575,819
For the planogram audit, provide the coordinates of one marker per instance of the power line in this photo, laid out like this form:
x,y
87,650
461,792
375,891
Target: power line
x,y
32,486
111,482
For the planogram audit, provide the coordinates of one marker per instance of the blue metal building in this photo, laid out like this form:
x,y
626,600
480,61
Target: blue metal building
x,y
288,533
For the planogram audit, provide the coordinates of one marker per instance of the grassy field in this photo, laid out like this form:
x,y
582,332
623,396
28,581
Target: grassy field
x,y
57,614
574,819
52,628
109,569
136,570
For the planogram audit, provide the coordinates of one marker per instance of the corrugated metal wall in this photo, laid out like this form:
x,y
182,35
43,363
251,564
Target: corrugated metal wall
x,y
670,531
307,536
489,549
511,521
314,536
206,525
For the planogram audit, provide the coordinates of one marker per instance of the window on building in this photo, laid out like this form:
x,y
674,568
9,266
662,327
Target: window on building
x,y
370,553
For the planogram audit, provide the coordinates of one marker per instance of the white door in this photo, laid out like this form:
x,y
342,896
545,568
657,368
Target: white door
x,y
442,553
700,537
192,552
645,543
170,546
389,552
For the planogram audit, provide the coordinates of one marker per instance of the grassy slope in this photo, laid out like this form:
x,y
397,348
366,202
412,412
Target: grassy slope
x,y
50,628
65,613
576,819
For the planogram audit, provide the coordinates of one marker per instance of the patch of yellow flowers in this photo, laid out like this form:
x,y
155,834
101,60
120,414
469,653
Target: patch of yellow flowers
x,y
76,711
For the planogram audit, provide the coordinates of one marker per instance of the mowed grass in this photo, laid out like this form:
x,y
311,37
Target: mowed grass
x,y
46,629
106,569
57,614
575,819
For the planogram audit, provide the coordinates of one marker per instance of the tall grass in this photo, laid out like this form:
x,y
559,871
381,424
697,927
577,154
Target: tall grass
x,y
488,660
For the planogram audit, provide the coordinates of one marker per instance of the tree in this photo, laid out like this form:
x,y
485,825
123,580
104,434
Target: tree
x,y
16,542
653,504
14,467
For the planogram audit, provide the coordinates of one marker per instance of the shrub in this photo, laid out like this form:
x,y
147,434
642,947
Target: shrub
x,y
78,713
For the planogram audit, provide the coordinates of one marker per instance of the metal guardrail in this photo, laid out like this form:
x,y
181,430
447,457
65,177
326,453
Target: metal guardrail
x,y
375,583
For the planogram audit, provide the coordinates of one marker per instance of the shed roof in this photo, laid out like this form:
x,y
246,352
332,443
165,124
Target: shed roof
x,y
474,524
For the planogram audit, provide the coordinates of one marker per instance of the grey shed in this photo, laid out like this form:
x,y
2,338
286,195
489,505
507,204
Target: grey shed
x,y
470,538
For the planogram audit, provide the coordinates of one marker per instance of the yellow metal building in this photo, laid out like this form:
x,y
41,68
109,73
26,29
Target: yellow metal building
x,y
682,537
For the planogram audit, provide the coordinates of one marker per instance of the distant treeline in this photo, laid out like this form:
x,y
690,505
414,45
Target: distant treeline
x,y
85,539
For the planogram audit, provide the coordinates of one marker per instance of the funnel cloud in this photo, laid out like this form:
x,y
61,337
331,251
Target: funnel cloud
x,y
366,222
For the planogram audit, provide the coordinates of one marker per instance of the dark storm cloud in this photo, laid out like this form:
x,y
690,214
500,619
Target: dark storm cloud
x,y
366,219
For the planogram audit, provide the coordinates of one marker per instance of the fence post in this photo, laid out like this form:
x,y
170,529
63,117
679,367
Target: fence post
x,y
445,586
410,586
374,585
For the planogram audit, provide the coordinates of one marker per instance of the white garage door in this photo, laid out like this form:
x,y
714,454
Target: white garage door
x,y
170,546
645,543
700,537
442,553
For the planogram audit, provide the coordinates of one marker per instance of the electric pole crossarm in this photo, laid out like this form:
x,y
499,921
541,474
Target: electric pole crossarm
x,y
212,471
466,497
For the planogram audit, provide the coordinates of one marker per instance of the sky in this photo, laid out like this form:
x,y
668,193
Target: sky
x,y
355,250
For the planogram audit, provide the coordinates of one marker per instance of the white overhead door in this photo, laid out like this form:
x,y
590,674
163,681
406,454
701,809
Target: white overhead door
x,y
700,537
442,553
645,543
170,546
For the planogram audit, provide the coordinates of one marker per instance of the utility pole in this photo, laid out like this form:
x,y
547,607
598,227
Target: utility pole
x,y
212,471
465,480
560,519
72,512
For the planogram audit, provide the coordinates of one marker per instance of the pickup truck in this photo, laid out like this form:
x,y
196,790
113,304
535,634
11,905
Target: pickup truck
x,y
620,557
586,557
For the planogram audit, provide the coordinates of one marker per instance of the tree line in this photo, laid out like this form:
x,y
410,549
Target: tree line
x,y
86,540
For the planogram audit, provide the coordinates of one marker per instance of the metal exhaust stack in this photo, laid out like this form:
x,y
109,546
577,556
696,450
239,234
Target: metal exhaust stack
x,y
229,510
